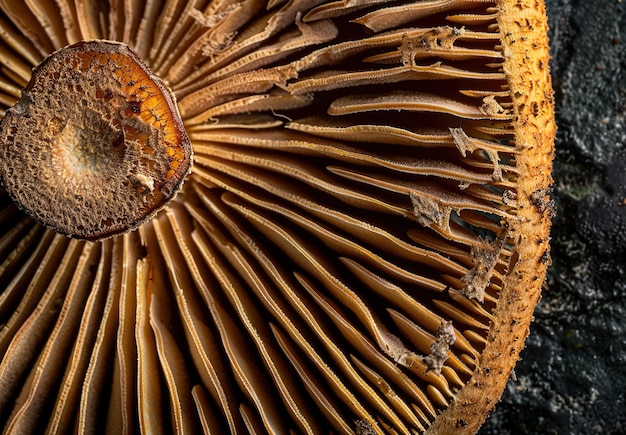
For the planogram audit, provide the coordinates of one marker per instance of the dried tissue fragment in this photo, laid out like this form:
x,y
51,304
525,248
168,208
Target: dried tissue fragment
x,y
429,210
210,20
466,144
434,361
364,427
509,198
442,38
439,349
485,257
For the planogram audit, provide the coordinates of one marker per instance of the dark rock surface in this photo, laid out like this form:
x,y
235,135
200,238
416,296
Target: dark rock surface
x,y
572,376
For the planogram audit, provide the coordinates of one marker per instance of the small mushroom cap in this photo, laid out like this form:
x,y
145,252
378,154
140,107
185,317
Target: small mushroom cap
x,y
95,145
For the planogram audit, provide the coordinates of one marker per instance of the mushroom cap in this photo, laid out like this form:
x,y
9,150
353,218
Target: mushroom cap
x,y
358,248
95,145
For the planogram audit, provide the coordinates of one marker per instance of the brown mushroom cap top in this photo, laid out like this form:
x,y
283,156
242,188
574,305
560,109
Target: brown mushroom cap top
x,y
358,249
95,145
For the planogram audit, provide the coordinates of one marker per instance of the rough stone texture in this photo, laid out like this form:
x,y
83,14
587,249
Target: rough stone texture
x,y
572,376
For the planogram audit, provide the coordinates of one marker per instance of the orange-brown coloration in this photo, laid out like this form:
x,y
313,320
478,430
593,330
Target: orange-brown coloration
x,y
95,146
359,248
525,47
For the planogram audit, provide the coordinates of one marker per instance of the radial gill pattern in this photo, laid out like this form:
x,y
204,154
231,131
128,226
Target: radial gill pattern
x,y
359,204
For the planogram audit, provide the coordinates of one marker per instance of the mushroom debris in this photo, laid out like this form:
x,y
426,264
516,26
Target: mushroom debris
x,y
359,245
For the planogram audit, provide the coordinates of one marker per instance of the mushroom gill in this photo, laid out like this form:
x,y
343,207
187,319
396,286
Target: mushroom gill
x,y
358,248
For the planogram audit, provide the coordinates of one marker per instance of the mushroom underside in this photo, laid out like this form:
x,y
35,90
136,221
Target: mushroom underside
x,y
359,245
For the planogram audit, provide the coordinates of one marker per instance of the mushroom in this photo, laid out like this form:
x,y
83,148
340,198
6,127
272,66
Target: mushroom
x,y
108,161
359,245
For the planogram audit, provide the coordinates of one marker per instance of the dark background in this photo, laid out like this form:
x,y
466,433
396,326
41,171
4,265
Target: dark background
x,y
572,376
